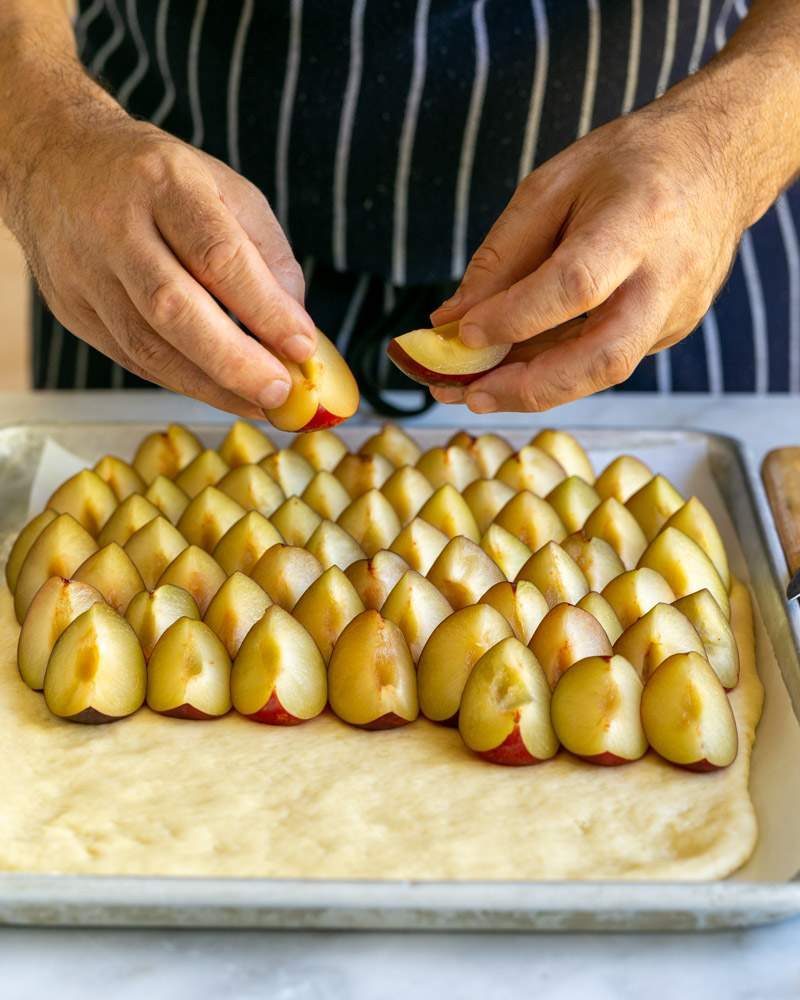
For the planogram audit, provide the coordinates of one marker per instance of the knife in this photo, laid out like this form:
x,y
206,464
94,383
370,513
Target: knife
x,y
781,474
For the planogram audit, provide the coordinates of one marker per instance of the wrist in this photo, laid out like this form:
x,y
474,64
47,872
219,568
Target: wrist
x,y
742,105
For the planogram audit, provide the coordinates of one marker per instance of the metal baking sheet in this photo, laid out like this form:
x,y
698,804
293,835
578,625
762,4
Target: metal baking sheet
x,y
520,906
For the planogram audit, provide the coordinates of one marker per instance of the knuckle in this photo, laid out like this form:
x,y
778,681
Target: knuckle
x,y
219,258
152,166
167,304
513,313
532,397
539,393
291,274
561,386
485,260
660,200
616,364
143,349
580,284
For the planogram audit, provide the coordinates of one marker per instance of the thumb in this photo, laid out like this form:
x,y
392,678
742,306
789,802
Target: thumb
x,y
521,239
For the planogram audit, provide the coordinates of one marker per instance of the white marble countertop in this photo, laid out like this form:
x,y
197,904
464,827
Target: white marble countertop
x,y
761,963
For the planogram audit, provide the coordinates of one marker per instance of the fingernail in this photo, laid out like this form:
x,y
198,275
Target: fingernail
x,y
448,394
274,394
472,335
298,348
481,402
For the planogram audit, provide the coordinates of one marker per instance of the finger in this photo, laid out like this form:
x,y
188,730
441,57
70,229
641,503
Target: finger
x,y
602,351
447,393
147,356
182,312
520,352
254,214
519,241
216,250
582,274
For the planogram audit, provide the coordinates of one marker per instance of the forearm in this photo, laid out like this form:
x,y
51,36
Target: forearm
x,y
750,99
44,91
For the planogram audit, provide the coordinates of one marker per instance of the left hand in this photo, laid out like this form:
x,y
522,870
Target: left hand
x,y
635,225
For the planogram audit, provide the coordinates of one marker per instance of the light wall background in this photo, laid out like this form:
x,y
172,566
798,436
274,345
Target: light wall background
x,y
14,307
14,315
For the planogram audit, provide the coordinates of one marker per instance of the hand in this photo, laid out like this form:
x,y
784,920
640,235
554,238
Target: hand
x,y
139,243
610,251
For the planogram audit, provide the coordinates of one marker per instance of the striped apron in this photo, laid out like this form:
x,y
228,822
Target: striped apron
x,y
388,137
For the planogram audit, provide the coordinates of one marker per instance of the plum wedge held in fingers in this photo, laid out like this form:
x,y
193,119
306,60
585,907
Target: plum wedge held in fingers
x,y
436,356
323,393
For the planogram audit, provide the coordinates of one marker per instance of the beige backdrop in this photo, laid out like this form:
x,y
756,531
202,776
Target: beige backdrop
x,y
14,306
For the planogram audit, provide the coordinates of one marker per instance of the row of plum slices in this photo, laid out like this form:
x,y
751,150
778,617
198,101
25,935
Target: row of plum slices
x,y
509,593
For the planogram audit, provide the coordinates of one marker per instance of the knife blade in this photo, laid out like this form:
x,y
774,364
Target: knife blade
x,y
780,472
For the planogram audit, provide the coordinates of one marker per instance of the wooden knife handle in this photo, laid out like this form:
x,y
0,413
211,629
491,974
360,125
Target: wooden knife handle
x,y
781,474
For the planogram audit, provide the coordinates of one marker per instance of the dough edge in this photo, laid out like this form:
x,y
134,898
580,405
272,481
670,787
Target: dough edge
x,y
230,798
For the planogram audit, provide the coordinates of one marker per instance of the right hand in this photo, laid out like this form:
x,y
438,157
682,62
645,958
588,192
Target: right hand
x,y
132,235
